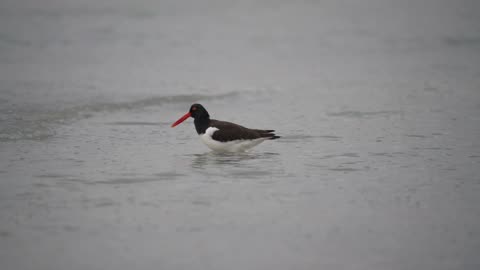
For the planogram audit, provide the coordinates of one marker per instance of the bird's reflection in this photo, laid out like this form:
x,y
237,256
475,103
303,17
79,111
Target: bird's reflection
x,y
200,161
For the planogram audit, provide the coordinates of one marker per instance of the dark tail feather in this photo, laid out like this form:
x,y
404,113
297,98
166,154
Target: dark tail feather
x,y
262,131
268,134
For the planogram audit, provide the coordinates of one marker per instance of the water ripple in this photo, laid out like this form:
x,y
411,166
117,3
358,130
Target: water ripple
x,y
39,125
359,114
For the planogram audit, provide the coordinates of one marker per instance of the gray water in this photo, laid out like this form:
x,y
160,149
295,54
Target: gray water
x,y
377,103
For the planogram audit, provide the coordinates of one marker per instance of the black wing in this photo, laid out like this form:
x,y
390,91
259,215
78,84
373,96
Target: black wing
x,y
231,132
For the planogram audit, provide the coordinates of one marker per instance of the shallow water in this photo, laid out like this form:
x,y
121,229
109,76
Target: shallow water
x,y
377,103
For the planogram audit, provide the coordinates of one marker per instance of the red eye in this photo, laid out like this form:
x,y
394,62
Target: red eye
x,y
194,108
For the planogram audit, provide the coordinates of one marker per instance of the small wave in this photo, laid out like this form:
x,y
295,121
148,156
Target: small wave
x,y
301,137
10,40
463,41
416,136
147,102
347,155
135,123
40,125
358,114
344,169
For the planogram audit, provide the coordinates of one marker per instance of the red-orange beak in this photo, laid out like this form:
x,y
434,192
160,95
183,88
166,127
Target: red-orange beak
x,y
183,118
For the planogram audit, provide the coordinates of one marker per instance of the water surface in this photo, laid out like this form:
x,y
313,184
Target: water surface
x,y
377,103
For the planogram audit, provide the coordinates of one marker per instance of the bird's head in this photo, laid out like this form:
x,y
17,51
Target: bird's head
x,y
197,111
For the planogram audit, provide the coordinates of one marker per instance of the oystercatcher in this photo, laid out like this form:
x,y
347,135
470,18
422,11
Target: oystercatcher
x,y
224,136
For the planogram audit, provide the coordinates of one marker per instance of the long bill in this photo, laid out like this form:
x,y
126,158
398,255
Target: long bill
x,y
183,118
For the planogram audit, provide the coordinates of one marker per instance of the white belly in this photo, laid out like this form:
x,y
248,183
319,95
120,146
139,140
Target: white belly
x,y
232,146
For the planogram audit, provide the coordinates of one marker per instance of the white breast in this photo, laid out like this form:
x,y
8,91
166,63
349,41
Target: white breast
x,y
232,146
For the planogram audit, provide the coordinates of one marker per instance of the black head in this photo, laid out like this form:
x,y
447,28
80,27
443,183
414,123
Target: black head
x,y
197,111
